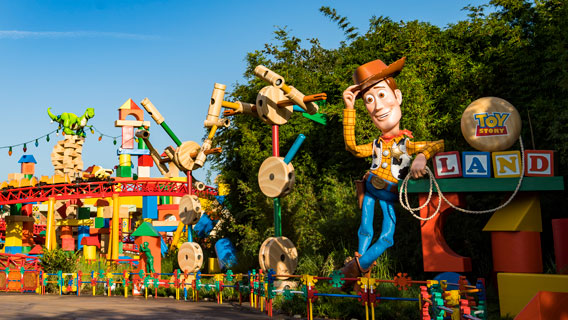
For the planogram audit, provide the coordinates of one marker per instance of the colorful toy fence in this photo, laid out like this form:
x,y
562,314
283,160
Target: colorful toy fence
x,y
435,299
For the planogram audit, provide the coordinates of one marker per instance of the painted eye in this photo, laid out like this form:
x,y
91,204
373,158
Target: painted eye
x,y
381,94
369,98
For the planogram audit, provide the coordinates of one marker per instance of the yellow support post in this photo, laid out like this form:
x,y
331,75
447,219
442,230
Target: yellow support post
x,y
95,286
366,310
115,226
50,232
126,275
311,316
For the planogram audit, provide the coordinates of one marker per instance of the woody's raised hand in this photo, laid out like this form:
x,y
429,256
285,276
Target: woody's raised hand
x,y
349,96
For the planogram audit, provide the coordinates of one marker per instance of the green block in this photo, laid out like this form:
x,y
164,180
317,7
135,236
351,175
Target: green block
x,y
84,213
28,176
15,209
120,244
99,222
124,171
164,199
488,184
26,249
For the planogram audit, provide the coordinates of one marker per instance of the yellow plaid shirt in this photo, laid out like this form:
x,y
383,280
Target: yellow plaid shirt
x,y
428,148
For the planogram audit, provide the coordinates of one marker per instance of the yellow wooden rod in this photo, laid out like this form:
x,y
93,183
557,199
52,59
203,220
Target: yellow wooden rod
x,y
230,105
212,132
286,88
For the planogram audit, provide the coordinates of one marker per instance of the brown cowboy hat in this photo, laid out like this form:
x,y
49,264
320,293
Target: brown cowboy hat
x,y
372,72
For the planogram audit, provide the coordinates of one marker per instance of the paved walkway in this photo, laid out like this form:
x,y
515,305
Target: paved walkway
x,y
31,306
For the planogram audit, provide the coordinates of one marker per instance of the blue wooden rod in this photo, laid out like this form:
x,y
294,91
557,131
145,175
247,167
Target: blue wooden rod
x,y
295,147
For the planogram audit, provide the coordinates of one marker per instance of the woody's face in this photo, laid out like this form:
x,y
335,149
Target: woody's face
x,y
383,105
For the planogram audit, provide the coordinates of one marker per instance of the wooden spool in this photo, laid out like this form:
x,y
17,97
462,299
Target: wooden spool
x,y
491,124
190,257
189,209
276,178
279,254
267,108
183,153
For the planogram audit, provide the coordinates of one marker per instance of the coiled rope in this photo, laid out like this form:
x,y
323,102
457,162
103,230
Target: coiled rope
x,y
403,194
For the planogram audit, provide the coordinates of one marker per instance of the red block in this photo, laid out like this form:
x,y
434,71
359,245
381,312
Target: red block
x,y
166,210
516,251
127,137
68,244
437,254
447,165
145,161
539,163
560,236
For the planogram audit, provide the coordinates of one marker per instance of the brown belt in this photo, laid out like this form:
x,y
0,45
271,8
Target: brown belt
x,y
382,184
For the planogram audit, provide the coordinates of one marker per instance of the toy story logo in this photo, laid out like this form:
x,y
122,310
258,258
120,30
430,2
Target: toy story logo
x,y
491,124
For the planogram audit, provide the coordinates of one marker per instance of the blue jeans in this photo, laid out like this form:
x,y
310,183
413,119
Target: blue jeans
x,y
386,200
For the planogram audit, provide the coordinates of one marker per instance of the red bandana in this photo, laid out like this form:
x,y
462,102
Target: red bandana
x,y
405,132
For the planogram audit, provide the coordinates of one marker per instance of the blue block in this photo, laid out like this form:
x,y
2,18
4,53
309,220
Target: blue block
x,y
204,226
476,164
13,250
166,228
226,253
134,152
163,247
82,231
150,207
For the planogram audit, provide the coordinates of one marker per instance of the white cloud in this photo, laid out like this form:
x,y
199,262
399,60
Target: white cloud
x,y
17,34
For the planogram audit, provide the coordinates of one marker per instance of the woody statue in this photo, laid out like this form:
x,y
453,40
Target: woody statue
x,y
391,156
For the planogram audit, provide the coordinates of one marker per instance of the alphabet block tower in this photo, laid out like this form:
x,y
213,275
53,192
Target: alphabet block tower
x,y
129,108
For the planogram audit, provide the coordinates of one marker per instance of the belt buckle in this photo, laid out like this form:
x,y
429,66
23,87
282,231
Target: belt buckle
x,y
378,183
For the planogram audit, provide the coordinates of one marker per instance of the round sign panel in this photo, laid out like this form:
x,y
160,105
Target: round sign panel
x,y
491,124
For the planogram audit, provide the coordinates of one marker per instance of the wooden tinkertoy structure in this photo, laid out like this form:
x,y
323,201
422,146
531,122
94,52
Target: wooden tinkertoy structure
x,y
274,105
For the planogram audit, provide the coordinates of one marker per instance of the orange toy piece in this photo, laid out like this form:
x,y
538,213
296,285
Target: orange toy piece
x,y
438,256
546,305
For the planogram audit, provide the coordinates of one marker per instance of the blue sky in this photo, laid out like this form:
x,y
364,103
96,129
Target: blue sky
x,y
74,54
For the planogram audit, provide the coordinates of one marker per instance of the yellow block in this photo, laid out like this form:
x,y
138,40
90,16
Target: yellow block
x,y
74,222
127,201
522,214
90,252
517,289
124,160
213,266
506,164
13,234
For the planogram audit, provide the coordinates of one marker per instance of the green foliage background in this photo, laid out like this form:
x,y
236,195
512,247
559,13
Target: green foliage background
x,y
516,52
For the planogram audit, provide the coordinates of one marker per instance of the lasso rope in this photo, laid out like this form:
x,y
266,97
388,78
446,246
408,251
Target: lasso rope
x,y
406,205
